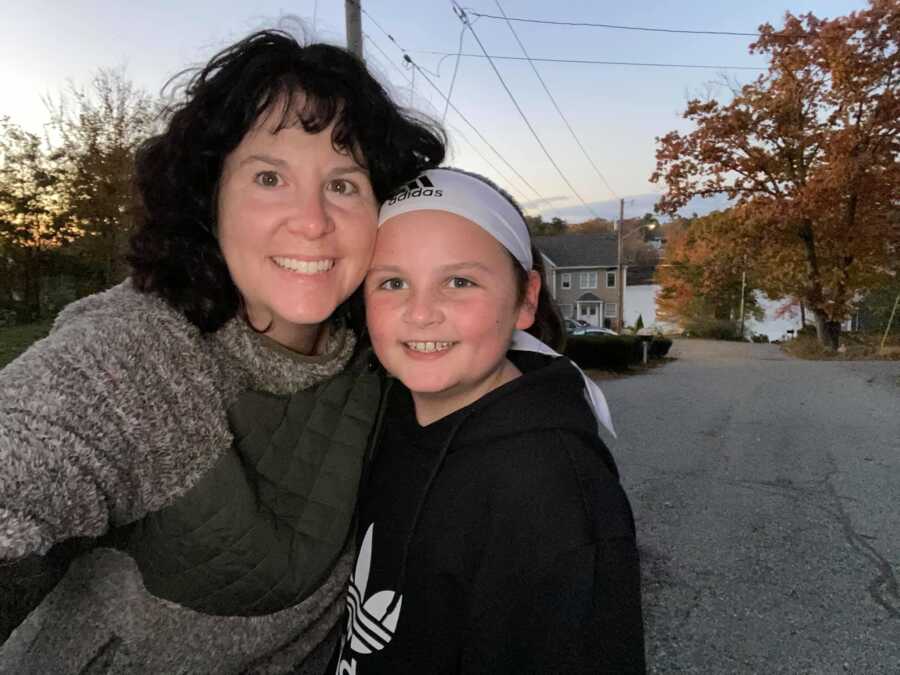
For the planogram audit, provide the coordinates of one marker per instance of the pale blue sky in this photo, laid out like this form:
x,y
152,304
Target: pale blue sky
x,y
615,110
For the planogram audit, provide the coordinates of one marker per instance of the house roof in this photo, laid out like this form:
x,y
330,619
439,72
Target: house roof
x,y
588,297
592,249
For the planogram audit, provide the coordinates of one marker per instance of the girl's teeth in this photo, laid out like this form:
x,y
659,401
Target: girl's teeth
x,y
429,346
304,266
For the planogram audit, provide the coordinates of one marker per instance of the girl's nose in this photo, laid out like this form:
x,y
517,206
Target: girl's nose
x,y
422,309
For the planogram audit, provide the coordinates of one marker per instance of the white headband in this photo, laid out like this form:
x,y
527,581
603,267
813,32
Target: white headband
x,y
475,200
469,197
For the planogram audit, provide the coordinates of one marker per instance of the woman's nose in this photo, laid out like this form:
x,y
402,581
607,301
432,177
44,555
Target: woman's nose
x,y
310,217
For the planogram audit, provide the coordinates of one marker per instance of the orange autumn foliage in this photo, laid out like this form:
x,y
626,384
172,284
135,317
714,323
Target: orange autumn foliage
x,y
700,273
808,152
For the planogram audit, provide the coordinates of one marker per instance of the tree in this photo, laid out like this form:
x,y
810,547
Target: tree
x,y
34,222
594,225
702,276
648,225
808,151
100,129
539,227
878,305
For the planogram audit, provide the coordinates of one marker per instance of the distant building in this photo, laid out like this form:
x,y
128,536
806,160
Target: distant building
x,y
581,275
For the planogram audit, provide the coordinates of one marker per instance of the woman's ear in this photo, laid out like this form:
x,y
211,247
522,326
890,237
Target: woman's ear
x,y
528,308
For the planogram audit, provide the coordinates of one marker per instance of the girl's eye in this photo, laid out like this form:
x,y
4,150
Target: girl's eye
x,y
342,186
268,179
461,282
393,285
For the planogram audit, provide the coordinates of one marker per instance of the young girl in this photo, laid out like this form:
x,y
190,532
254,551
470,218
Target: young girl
x,y
494,534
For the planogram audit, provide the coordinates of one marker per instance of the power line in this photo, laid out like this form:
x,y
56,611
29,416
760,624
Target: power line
x,y
453,126
586,24
462,35
408,59
422,72
555,105
387,58
462,17
379,27
474,147
599,62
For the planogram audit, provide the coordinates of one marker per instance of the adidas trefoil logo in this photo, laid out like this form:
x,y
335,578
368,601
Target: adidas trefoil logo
x,y
371,621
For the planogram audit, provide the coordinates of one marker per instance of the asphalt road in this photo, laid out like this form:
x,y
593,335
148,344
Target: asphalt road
x,y
767,497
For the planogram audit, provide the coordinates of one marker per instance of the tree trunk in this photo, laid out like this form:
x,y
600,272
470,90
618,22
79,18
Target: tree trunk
x,y
829,332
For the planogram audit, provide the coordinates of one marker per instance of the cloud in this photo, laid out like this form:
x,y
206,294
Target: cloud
x,y
538,203
635,206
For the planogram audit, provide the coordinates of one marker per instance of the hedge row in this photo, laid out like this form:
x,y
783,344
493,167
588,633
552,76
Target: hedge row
x,y
612,351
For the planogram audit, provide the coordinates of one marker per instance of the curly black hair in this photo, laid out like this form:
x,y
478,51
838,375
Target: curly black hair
x,y
174,252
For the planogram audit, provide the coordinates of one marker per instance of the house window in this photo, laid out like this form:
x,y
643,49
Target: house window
x,y
610,310
610,278
589,280
566,311
565,280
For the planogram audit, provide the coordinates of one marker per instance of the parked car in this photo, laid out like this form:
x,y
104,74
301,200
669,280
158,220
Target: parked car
x,y
575,324
592,330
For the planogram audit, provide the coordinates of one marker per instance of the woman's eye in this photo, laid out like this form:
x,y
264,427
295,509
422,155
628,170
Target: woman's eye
x,y
392,285
268,179
342,186
461,282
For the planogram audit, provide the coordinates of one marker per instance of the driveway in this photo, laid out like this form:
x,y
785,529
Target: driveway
x,y
767,497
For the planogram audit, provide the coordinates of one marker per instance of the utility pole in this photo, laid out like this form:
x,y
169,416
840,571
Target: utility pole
x,y
620,275
354,27
743,285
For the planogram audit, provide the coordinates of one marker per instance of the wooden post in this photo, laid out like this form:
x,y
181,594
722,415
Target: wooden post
x,y
353,17
890,321
620,276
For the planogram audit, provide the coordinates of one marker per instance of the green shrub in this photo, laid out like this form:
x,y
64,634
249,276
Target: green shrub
x,y
713,329
613,352
639,323
659,347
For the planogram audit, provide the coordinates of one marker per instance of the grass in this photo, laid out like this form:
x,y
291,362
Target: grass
x,y
16,339
854,347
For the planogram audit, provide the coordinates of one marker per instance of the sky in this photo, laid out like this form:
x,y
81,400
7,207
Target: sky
x,y
615,111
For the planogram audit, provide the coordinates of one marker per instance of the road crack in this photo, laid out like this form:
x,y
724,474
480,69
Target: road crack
x,y
884,588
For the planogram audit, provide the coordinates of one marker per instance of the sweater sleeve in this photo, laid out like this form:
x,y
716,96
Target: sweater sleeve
x,y
557,585
102,421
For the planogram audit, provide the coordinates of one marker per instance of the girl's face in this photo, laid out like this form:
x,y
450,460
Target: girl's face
x,y
296,225
441,305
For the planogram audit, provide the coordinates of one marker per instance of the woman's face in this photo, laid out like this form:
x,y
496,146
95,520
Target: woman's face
x,y
296,225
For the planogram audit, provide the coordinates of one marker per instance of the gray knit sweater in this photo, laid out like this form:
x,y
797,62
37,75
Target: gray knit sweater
x,y
115,415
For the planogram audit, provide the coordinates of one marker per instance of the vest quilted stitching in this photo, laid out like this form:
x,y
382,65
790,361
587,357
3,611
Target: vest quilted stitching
x,y
263,528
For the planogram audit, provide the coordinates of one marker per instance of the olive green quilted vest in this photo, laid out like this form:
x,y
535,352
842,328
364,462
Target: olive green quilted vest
x,y
265,525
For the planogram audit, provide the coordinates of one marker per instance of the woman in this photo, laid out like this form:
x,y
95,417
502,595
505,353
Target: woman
x,y
494,534
184,449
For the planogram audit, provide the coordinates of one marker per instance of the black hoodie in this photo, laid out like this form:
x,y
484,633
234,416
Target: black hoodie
x,y
496,540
